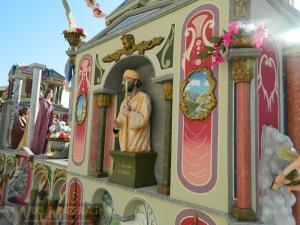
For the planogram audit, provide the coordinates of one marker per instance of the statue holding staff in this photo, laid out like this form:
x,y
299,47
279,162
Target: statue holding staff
x,y
133,121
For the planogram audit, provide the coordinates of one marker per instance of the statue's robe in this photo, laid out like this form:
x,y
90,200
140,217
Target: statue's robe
x,y
43,122
138,124
18,131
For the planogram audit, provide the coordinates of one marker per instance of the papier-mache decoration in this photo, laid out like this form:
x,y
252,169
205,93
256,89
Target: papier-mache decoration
x,y
97,12
238,36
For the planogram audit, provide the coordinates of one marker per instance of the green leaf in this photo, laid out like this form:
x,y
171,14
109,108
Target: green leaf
x,y
215,39
203,55
210,49
223,50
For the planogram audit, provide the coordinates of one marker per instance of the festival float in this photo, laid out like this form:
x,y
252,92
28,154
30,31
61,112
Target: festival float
x,y
184,113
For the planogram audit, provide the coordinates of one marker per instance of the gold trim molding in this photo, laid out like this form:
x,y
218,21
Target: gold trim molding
x,y
103,100
129,47
168,90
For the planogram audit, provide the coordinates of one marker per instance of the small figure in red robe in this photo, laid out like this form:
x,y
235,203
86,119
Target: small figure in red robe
x,y
19,127
43,122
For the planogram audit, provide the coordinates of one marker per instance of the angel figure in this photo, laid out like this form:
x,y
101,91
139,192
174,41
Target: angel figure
x,y
97,12
289,175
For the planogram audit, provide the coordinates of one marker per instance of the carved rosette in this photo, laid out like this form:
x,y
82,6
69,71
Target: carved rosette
x,y
242,69
168,90
103,100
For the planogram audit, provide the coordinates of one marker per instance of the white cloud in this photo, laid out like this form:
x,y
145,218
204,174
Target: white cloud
x,y
193,83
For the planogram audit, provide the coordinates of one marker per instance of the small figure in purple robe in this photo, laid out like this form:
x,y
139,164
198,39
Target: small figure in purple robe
x,y
43,122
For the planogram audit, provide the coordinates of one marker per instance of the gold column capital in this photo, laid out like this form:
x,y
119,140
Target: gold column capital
x,y
242,68
103,100
168,89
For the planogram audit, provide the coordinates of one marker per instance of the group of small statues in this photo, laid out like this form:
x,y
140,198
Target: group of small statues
x,y
132,123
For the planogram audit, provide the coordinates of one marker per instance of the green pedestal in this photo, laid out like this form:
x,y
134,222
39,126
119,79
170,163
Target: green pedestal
x,y
133,169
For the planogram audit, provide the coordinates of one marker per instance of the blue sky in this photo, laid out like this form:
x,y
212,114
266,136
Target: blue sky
x,y
31,31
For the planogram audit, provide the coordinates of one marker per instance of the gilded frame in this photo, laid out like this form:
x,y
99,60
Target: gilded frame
x,y
203,108
81,115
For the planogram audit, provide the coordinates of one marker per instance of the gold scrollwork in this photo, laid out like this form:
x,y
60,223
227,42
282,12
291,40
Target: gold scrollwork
x,y
129,47
58,174
198,98
41,168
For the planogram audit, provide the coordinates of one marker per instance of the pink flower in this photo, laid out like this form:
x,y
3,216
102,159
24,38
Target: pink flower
x,y
227,39
218,57
258,36
234,27
79,30
97,12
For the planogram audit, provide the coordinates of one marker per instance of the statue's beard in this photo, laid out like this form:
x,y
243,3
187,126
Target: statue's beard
x,y
129,87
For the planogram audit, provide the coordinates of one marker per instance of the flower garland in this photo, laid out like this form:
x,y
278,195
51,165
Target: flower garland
x,y
239,35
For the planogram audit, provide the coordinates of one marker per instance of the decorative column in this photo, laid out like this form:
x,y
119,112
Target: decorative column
x,y
4,181
34,103
55,100
167,82
103,102
16,103
60,94
292,69
242,63
10,88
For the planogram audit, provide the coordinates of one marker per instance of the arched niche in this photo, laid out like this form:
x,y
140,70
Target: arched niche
x,y
38,179
138,211
56,190
9,166
103,200
144,66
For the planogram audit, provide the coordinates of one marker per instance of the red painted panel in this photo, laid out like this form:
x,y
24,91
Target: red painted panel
x,y
83,87
190,221
267,89
75,202
188,217
198,140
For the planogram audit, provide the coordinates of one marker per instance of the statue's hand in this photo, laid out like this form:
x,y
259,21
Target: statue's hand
x,y
279,181
126,110
116,125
